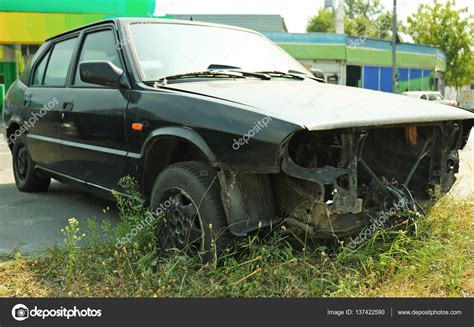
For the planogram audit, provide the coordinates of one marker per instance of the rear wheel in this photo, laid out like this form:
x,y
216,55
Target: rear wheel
x,y
26,179
194,219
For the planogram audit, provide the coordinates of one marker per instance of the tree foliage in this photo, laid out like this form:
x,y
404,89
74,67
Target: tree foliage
x,y
362,18
323,22
452,31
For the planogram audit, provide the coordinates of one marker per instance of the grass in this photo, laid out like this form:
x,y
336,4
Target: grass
x,y
436,260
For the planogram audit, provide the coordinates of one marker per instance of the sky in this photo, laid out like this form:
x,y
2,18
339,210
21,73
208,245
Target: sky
x,y
295,12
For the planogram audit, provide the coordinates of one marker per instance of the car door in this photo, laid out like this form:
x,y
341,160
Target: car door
x,y
93,126
41,107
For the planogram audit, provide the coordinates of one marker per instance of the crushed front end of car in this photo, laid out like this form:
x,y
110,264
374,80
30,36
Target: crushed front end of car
x,y
334,182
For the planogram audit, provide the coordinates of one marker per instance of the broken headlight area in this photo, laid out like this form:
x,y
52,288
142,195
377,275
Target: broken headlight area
x,y
333,183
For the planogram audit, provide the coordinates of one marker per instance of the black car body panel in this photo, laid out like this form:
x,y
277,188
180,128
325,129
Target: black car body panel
x,y
285,149
202,121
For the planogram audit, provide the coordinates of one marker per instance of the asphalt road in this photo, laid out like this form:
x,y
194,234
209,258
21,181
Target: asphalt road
x,y
32,222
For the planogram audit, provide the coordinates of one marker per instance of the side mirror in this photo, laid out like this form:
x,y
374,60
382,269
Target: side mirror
x,y
102,73
317,73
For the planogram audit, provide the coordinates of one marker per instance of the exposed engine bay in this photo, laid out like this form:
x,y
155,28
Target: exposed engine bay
x,y
333,182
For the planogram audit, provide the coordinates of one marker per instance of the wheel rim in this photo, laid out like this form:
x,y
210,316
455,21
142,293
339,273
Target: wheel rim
x,y
22,163
182,223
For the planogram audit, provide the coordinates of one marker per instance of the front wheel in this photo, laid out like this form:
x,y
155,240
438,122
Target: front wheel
x,y
194,218
26,178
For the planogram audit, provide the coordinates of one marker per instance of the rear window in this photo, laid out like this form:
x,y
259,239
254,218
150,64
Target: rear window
x,y
40,68
24,77
59,62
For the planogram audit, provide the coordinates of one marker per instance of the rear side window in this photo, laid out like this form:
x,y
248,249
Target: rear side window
x,y
59,62
39,72
98,46
423,97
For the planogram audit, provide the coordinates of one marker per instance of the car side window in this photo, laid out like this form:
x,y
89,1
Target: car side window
x,y
431,97
423,97
97,46
39,71
59,62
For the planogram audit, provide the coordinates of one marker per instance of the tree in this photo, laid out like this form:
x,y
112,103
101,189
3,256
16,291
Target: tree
x,y
451,30
362,18
323,22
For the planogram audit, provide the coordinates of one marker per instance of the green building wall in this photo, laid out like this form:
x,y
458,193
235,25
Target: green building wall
x,y
104,7
362,56
419,67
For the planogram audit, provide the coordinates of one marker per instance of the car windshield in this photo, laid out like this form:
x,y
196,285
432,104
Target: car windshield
x,y
439,96
166,49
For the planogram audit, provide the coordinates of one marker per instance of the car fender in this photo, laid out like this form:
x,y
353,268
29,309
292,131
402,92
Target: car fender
x,y
184,133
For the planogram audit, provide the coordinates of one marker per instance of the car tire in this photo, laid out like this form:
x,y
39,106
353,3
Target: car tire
x,y
194,219
26,178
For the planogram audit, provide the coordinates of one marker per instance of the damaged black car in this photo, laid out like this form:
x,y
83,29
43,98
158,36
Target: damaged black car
x,y
224,132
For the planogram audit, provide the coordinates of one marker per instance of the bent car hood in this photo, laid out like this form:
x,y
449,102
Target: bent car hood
x,y
319,106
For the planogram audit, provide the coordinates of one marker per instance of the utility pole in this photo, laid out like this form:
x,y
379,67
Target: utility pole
x,y
394,47
340,17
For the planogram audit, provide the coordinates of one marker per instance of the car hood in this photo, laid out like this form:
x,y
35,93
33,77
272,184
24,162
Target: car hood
x,y
319,106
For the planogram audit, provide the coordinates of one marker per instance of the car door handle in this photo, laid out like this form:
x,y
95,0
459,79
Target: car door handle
x,y
68,106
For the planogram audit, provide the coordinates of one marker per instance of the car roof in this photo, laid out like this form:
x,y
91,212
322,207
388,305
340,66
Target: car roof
x,y
133,20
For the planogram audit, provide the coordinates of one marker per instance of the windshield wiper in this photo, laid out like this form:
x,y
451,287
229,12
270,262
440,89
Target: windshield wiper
x,y
212,74
289,74
235,69
205,73
253,74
